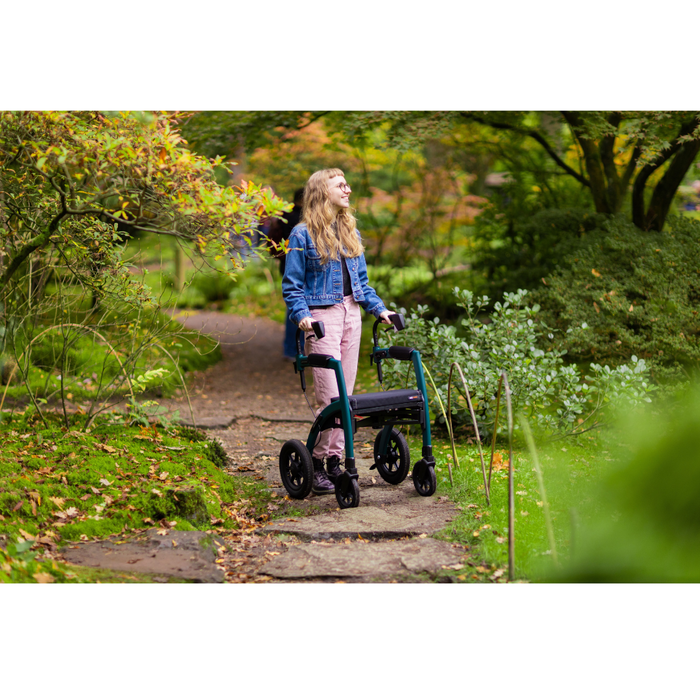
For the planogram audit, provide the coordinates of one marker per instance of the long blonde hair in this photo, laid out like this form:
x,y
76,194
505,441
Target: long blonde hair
x,y
333,235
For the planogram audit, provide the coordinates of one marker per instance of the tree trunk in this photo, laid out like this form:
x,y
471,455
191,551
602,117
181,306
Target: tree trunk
x,y
666,188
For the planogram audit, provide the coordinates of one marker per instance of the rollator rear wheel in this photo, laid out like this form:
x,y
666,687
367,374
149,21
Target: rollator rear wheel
x,y
296,469
427,483
394,467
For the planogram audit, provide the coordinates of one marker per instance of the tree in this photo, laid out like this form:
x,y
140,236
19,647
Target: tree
x,y
611,153
72,181
618,151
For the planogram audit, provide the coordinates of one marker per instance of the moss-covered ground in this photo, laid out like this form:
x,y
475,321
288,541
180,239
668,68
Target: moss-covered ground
x,y
59,485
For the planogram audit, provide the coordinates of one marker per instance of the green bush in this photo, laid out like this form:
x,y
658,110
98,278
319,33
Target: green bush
x,y
512,255
627,292
553,396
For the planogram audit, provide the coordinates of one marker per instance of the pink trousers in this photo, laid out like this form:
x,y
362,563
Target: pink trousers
x,y
343,326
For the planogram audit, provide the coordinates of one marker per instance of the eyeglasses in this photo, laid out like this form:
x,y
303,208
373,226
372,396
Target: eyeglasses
x,y
344,187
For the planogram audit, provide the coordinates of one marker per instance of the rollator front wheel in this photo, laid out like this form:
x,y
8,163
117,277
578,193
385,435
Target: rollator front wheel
x,y
347,491
397,461
425,482
296,469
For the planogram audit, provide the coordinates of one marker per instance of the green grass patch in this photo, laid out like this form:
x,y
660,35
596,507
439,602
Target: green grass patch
x,y
568,467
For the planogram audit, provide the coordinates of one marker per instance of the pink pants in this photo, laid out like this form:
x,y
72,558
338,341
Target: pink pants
x,y
343,325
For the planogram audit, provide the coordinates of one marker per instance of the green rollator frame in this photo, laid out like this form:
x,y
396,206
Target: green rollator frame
x,y
381,410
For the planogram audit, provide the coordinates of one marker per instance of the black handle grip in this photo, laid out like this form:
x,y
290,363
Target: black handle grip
x,y
319,329
398,321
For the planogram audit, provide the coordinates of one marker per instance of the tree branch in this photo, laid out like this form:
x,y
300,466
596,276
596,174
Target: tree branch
x,y
534,135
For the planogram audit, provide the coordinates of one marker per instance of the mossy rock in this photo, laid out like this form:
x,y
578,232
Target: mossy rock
x,y
187,504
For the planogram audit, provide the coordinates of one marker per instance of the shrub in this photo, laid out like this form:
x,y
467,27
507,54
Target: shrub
x,y
627,292
552,395
517,255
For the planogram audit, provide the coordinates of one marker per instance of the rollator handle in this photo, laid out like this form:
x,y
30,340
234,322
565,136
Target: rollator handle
x,y
398,321
319,329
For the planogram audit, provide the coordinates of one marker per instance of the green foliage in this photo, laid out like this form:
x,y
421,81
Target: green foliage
x,y
627,292
552,395
18,564
639,521
516,250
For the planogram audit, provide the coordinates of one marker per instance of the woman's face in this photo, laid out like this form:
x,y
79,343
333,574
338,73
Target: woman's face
x,y
339,193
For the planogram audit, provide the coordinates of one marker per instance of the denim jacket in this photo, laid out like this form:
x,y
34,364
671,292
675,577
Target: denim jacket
x,y
307,282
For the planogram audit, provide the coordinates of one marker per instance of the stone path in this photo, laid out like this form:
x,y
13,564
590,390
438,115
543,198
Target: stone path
x,y
252,403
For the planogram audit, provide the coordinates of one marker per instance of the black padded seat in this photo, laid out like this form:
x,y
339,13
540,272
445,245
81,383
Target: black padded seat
x,y
365,404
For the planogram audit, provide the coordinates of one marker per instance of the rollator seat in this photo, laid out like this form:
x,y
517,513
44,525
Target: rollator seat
x,y
366,404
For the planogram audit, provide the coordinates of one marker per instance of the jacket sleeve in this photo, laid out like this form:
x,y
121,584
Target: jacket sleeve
x,y
293,280
372,303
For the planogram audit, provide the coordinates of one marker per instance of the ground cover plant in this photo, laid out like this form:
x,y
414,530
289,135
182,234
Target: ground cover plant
x,y
59,485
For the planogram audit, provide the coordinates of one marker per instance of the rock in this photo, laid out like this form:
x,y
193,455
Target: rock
x,y
184,555
210,423
364,559
186,504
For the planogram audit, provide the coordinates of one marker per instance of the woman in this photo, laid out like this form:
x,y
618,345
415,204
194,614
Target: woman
x,y
325,279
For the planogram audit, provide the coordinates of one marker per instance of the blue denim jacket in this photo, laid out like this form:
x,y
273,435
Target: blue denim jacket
x,y
307,282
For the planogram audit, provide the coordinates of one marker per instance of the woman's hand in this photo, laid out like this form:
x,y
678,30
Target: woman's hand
x,y
385,317
305,323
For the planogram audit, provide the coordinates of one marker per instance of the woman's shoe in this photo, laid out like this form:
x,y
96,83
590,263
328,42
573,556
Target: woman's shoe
x,y
333,466
321,484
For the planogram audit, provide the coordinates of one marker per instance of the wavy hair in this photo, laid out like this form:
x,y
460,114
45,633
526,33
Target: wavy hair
x,y
333,235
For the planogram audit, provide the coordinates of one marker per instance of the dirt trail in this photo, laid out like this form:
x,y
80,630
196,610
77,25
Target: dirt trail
x,y
252,403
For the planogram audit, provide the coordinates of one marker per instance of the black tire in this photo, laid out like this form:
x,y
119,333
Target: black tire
x,y
394,469
296,469
347,493
427,485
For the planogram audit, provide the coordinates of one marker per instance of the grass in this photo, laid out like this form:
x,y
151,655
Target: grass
x,y
567,467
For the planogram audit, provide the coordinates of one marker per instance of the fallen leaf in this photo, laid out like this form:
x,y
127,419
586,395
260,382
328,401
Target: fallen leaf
x,y
57,500
105,448
174,543
105,482
18,506
94,490
498,573
72,512
595,306
43,577
26,535
422,536
595,273
500,540
163,532
163,476
631,308
482,569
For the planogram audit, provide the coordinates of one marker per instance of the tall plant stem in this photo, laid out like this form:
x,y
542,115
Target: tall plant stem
x,y
540,480
476,427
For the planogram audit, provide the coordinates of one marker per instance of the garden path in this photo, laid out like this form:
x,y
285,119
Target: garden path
x,y
251,402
